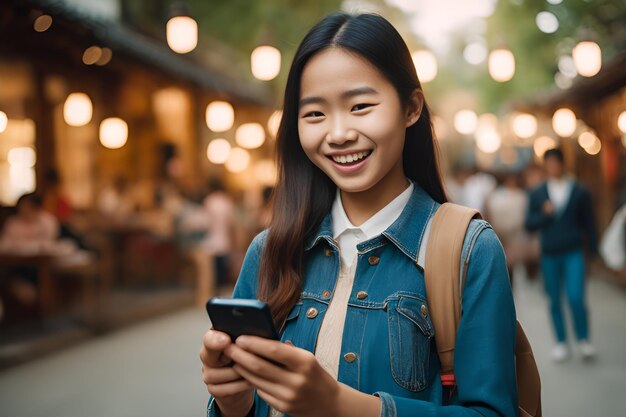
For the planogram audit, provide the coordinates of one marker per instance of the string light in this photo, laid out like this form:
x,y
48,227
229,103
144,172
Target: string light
x,y
250,135
77,110
218,151
564,122
501,65
182,34
238,160
265,62
425,64
113,133
525,125
220,116
588,58
465,122
42,23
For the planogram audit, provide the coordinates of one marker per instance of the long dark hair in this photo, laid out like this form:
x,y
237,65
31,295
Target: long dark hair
x,y
304,194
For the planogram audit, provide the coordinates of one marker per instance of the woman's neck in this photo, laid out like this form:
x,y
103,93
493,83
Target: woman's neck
x,y
361,206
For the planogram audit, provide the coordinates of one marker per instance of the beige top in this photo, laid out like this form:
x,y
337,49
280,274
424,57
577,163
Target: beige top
x,y
328,347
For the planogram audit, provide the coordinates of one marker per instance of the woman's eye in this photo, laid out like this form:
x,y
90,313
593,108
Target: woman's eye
x,y
313,114
361,106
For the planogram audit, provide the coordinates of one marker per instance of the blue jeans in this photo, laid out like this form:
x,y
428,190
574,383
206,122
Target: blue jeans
x,y
569,268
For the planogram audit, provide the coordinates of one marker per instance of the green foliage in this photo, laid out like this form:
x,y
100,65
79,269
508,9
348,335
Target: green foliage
x,y
536,53
245,24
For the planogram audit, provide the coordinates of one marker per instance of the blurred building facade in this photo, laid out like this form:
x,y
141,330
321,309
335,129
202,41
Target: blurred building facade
x,y
52,50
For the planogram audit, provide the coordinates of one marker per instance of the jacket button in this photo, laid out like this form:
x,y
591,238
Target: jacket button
x,y
328,251
373,260
361,295
424,310
349,357
326,294
311,313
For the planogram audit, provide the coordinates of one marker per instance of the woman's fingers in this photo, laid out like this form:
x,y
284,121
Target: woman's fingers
x,y
274,402
277,390
257,365
228,389
287,354
219,375
213,345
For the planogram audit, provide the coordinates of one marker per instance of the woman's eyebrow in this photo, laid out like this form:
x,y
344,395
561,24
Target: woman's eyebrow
x,y
345,95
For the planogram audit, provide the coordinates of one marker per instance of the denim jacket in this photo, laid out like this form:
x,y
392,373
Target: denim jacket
x,y
388,346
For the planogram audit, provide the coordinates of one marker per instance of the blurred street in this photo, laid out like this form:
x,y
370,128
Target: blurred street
x,y
153,369
144,144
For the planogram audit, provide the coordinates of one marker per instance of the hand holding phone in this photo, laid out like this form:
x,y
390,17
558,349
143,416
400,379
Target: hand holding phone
x,y
233,394
237,317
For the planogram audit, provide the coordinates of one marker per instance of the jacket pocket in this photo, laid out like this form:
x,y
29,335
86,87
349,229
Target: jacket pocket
x,y
292,317
410,333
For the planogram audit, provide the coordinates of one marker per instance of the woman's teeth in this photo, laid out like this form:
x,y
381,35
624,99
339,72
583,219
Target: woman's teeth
x,y
355,157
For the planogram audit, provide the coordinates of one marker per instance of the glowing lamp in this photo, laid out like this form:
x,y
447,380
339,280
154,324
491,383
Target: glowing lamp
x,y
250,135
77,110
113,133
501,65
265,62
218,151
220,116
182,34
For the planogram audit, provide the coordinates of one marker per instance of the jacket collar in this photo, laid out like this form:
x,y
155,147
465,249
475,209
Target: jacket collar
x,y
406,232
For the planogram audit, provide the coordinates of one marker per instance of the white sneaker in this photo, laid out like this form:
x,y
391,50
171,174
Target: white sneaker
x,y
587,349
560,352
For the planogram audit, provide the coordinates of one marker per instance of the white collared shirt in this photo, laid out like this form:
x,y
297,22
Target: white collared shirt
x,y
559,191
348,236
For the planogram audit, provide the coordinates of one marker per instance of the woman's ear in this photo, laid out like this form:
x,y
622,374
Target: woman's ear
x,y
414,107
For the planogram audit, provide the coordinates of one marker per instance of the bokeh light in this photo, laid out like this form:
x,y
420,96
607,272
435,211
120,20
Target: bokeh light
x,y
113,133
77,110
250,135
425,64
220,116
564,122
218,151
265,62
465,122
238,160
182,34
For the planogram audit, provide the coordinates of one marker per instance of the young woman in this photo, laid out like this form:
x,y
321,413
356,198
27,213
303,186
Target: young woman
x,y
339,263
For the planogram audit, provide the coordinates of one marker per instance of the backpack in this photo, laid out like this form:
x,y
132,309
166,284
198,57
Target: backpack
x,y
443,254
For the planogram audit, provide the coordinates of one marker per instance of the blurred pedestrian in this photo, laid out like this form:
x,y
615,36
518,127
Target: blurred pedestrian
x,y
506,211
220,209
470,187
561,210
613,243
532,175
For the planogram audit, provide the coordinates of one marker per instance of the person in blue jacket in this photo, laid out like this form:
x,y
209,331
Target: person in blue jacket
x,y
561,210
342,263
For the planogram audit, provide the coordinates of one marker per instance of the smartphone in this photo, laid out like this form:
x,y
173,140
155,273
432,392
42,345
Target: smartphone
x,y
237,316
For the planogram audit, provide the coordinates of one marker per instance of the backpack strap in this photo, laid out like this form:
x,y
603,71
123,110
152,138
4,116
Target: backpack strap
x,y
442,270
445,235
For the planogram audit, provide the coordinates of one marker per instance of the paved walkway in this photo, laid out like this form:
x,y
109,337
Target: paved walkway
x,y
153,369
577,388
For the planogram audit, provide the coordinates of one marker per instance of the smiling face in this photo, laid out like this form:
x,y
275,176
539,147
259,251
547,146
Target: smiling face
x,y
351,122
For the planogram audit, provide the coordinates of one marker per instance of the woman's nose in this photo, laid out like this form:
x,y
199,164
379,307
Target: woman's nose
x,y
340,133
